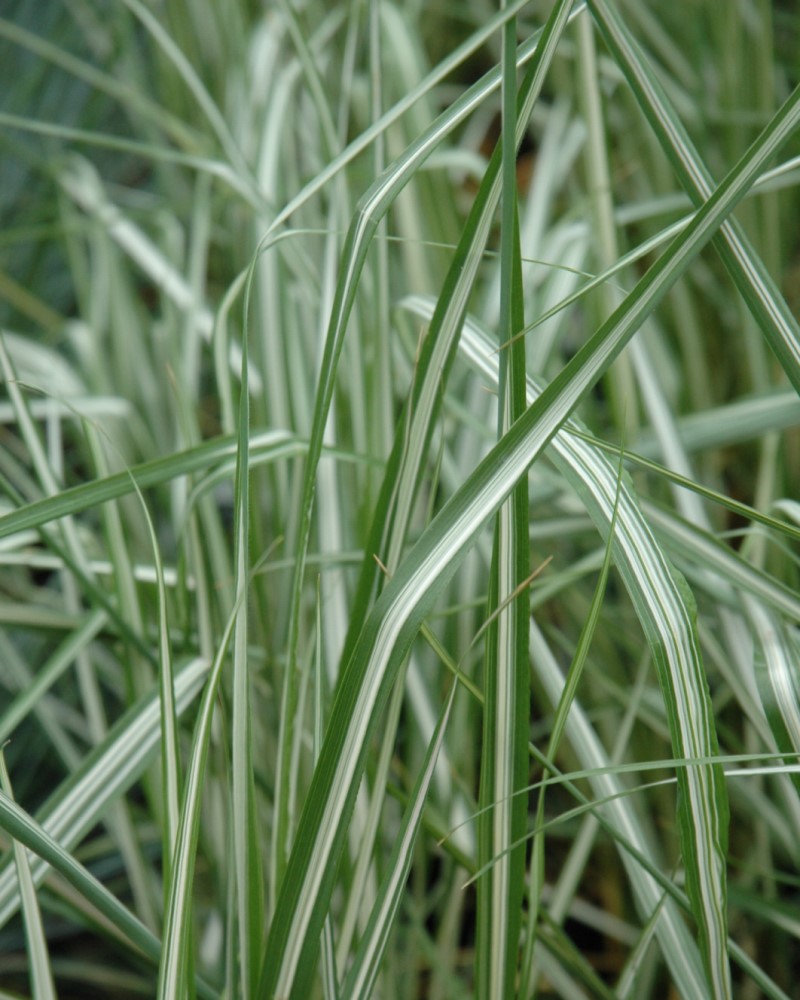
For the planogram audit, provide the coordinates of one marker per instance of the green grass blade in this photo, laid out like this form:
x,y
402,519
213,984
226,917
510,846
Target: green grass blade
x,y
651,583
49,672
361,977
249,892
504,757
42,985
23,828
219,452
369,211
175,955
106,773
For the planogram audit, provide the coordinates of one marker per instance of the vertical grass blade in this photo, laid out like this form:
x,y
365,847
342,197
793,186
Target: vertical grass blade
x,y
504,756
249,889
360,979
175,957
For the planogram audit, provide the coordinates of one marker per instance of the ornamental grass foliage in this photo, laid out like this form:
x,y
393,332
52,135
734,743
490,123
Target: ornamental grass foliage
x,y
399,522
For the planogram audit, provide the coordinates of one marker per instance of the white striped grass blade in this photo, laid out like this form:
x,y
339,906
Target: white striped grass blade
x,y
361,976
777,674
23,828
677,947
246,859
695,547
484,87
174,958
667,618
643,567
42,986
218,455
110,769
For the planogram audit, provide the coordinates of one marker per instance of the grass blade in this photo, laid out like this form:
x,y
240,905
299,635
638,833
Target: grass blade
x,y
42,985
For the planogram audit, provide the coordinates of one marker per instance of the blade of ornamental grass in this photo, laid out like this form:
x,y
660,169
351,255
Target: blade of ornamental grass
x,y
41,976
146,150
405,467
776,676
177,926
80,181
504,750
622,824
442,69
401,480
735,422
195,85
330,978
170,753
765,301
411,593
662,609
652,587
364,970
249,890
559,723
106,773
701,549
642,250
218,454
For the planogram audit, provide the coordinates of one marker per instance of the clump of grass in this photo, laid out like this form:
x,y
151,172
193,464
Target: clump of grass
x,y
398,537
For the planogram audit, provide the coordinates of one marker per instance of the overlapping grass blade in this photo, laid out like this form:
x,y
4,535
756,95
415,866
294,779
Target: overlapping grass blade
x,y
106,773
562,712
174,959
42,985
363,972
